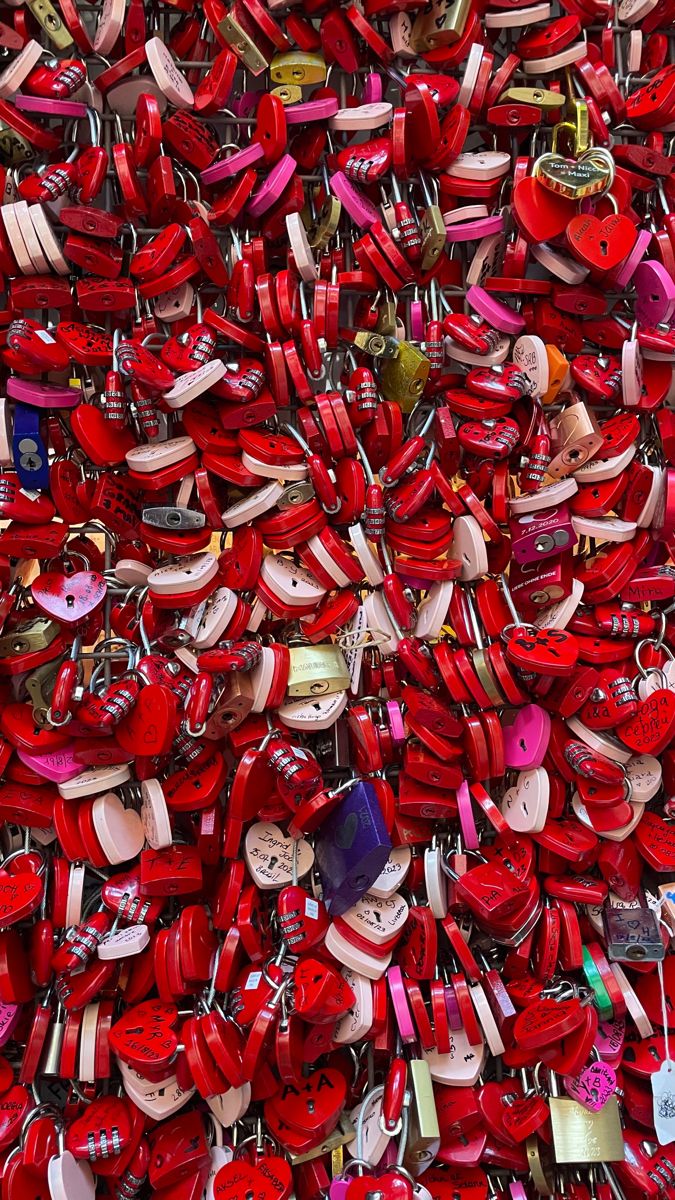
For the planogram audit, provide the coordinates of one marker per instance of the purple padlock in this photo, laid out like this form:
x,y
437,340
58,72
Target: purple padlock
x,y
352,848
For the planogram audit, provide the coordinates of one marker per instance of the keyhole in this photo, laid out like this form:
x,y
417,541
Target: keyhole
x,y
603,246
273,862
70,600
523,744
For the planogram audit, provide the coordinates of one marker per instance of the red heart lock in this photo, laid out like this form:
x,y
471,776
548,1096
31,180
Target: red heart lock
x,y
655,839
322,994
145,1034
366,162
103,1130
448,1183
69,599
389,1186
598,244
150,727
14,1106
416,951
303,919
540,213
546,651
523,1117
315,1106
270,1179
653,726
19,896
104,445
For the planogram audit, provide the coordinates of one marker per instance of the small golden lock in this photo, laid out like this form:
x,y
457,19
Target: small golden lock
x,y
441,23
403,378
244,47
47,16
298,68
317,671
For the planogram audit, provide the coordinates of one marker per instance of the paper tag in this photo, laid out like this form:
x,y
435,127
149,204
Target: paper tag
x,y
353,652
663,1091
311,908
253,981
30,495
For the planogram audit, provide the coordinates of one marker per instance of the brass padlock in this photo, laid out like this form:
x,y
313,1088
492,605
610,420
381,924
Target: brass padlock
x,y
35,634
317,671
341,1136
432,228
14,148
440,23
541,97
582,1136
424,1135
403,379
298,67
232,706
386,318
244,47
288,93
46,15
325,225
377,344
40,686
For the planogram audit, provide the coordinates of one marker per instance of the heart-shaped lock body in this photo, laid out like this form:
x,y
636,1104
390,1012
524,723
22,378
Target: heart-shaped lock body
x,y
269,1179
601,244
145,1034
315,1105
321,993
69,599
390,1185
149,728
526,738
653,726
593,1087
366,162
103,1129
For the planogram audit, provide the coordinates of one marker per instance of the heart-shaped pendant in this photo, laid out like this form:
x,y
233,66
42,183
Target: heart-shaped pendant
x,y
69,598
601,245
525,805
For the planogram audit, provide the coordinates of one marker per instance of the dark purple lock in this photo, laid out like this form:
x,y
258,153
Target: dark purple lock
x,y
352,848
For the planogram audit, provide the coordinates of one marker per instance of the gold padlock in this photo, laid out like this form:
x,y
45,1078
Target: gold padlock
x,y
317,671
35,634
298,67
424,1135
40,687
14,148
46,15
288,93
432,228
325,226
232,706
541,97
377,344
540,1163
403,379
440,23
386,318
344,1133
582,1136
243,46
